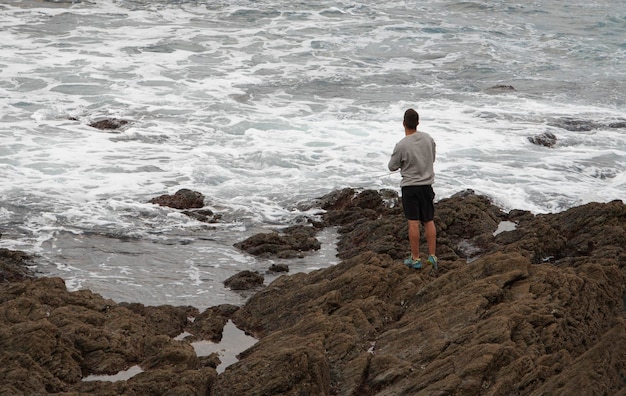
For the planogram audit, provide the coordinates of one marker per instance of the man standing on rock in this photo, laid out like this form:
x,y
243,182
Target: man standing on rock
x,y
414,155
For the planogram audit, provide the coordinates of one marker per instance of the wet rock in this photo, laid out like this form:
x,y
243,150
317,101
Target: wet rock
x,y
589,233
279,268
479,324
209,325
204,215
108,124
500,88
164,319
290,243
547,139
182,199
51,338
575,125
539,310
14,266
618,124
244,280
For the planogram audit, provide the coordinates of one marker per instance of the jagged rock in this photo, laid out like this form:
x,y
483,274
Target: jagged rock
x,y
292,242
547,139
474,328
500,88
204,215
539,310
575,125
279,268
108,124
182,199
244,280
14,266
51,338
210,323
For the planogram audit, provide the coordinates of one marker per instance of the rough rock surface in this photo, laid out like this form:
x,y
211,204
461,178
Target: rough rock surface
x,y
244,280
51,338
547,139
537,310
182,199
108,124
290,243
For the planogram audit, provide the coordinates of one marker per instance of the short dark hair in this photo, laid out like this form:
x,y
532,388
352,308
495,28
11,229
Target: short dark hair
x,y
411,119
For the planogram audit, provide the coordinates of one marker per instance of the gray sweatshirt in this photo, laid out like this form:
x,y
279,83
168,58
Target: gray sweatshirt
x,y
414,155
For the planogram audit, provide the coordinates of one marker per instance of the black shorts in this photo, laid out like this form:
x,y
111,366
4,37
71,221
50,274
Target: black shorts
x,y
418,203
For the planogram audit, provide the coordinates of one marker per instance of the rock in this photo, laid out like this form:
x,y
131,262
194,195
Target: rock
x,y
618,124
539,310
182,199
574,125
279,268
244,280
547,139
500,88
51,338
292,242
164,319
108,124
209,325
204,215
480,324
14,266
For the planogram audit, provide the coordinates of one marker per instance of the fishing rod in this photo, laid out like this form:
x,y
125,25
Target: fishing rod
x,y
386,174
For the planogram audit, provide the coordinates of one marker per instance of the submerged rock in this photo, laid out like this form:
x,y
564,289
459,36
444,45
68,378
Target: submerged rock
x,y
500,88
108,124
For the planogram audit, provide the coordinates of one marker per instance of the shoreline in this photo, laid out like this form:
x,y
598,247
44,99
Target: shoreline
x,y
348,328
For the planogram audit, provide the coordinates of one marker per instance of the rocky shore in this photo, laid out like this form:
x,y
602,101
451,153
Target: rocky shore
x,y
522,304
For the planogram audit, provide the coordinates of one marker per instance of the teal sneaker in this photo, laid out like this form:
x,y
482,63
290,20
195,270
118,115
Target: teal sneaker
x,y
433,260
415,264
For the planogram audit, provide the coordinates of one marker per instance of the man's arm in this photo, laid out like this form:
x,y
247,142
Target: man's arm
x,y
396,161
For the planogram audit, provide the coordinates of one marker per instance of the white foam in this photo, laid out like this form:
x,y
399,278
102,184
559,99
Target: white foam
x,y
262,108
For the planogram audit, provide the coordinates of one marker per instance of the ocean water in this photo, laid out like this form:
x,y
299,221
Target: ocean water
x,y
264,105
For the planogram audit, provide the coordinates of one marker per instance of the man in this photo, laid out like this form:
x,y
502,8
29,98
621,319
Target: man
x,y
414,155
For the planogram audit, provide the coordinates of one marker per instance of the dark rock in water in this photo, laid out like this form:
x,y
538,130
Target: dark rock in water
x,y
182,199
547,139
500,88
244,280
279,268
618,124
205,215
108,124
14,266
575,125
291,243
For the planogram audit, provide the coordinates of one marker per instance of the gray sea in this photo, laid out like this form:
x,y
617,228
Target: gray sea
x,y
265,105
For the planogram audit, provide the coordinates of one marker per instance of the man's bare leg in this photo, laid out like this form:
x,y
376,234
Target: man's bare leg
x,y
414,238
431,237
